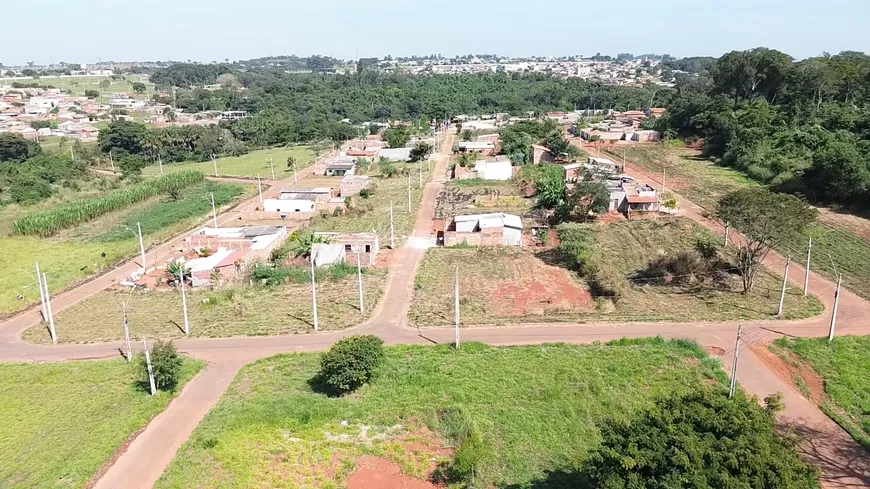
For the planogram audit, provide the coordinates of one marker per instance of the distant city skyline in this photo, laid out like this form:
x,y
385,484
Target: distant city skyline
x,y
88,31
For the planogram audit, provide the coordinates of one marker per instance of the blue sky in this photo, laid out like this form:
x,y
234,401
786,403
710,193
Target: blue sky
x,y
206,30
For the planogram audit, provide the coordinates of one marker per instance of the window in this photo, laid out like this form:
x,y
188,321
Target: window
x,y
347,247
368,248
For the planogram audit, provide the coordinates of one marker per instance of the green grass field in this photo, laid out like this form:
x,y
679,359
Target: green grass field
x,y
94,247
61,422
843,364
704,183
249,165
77,85
537,408
230,311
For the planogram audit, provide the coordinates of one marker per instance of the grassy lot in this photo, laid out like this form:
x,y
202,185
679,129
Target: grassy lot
x,y
249,165
77,85
96,246
373,213
702,182
62,422
230,311
536,407
507,285
843,364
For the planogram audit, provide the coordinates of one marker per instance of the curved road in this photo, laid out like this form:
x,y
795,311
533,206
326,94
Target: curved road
x,y
844,463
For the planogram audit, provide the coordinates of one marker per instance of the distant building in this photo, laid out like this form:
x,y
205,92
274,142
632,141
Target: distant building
x,y
364,245
340,168
353,184
395,154
541,154
496,229
480,147
233,115
496,169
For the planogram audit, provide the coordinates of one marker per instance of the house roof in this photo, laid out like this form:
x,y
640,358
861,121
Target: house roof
x,y
493,220
642,199
340,166
540,148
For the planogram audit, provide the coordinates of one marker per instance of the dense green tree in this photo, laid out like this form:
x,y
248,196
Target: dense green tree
x,y
397,136
589,196
421,151
139,87
166,365
92,94
13,147
351,362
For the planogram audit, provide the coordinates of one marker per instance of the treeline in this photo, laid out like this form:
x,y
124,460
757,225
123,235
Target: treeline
x,y
800,126
28,175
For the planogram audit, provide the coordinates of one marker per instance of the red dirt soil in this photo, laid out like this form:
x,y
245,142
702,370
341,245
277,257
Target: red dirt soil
x,y
788,372
377,473
555,290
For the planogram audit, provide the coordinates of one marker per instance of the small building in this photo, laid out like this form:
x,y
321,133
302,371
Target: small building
x,y
499,168
353,184
480,147
496,229
325,254
363,245
233,115
395,154
645,136
296,200
225,262
541,154
317,194
340,168
604,165
255,242
655,112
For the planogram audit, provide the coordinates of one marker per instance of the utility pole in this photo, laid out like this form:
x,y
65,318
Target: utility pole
x,y
160,161
456,305
420,183
727,226
359,279
295,180
41,294
141,245
260,188
392,229
184,301
314,293
784,284
127,333
734,365
214,162
807,271
72,154
272,165
213,211
664,177
48,309
409,192
112,161
150,370
836,306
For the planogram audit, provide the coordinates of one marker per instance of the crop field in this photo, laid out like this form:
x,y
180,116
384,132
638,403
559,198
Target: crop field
x,y
93,247
373,213
843,238
226,311
62,422
249,165
843,365
537,408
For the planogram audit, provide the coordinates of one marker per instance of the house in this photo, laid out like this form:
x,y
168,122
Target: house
x,y
361,153
225,262
340,168
395,154
541,154
256,242
233,115
364,246
645,136
297,200
626,197
499,168
325,254
496,229
573,172
655,112
480,147
353,184
603,165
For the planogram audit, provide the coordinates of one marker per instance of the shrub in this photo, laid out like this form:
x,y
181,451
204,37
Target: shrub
x,y
351,362
365,193
165,363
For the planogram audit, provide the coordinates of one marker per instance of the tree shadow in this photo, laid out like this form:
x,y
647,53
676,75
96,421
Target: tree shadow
x,y
180,328
843,461
301,319
554,257
319,385
555,479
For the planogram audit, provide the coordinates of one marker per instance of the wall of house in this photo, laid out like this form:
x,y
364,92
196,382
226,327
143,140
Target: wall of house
x,y
487,237
351,188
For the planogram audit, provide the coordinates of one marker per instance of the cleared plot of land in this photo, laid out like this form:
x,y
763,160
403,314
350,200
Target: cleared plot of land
x,y
78,84
249,165
373,213
96,246
62,422
509,286
230,311
535,407
843,237
843,390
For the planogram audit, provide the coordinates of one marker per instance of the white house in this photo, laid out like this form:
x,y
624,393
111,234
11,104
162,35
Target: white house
x,y
500,169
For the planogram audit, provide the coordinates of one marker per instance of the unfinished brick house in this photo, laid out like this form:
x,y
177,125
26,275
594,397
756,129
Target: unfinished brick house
x,y
496,229
353,184
366,244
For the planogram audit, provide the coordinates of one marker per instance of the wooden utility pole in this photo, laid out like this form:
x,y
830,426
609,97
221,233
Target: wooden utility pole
x,y
807,271
456,306
784,285
150,370
733,386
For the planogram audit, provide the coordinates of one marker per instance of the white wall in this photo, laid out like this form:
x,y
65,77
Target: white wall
x,y
288,205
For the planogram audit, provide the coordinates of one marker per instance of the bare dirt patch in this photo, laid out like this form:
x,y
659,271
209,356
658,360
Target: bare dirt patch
x,y
714,351
850,223
377,473
552,289
794,371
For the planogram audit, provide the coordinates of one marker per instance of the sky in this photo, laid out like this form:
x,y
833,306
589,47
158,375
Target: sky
x,y
87,31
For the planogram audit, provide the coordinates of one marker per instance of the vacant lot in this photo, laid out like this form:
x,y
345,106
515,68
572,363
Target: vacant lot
x,y
249,165
843,391
536,408
497,285
843,237
373,213
229,311
92,248
62,422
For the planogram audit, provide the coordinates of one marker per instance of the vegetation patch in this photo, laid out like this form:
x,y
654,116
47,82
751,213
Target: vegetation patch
x,y
62,422
512,414
251,165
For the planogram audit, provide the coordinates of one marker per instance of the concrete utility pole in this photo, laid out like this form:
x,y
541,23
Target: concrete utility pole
x,y
150,370
295,180
260,188
734,365
359,279
836,307
141,246
409,192
392,229
807,271
784,284
456,305
72,154
41,294
314,293
184,301
48,309
727,228
272,165
213,211
420,183
214,162
664,177
127,333
160,161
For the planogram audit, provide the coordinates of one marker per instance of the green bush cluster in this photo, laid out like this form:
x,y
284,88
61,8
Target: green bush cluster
x,y
166,365
351,362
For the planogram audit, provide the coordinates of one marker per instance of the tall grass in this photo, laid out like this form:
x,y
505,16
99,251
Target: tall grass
x,y
52,221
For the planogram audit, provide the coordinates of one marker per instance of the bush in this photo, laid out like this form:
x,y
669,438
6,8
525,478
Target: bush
x,y
165,363
351,362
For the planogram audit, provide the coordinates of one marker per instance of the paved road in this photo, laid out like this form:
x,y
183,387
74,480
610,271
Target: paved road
x,y
844,462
